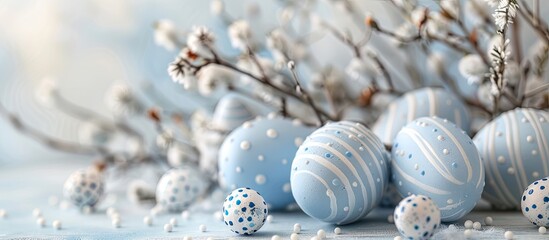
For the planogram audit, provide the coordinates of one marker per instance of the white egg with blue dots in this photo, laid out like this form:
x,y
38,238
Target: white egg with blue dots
x,y
535,202
339,173
515,151
244,211
424,102
259,155
84,187
433,157
417,217
179,188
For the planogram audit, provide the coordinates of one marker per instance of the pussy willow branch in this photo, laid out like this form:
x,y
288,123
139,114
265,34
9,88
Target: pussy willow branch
x,y
304,93
539,26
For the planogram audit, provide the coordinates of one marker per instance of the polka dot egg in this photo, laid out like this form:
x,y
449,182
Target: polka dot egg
x,y
179,188
433,157
417,217
424,102
244,211
84,187
259,155
339,173
515,151
535,202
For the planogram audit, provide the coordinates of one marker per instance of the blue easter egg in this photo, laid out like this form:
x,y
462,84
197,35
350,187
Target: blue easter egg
x,y
535,202
259,155
515,151
433,157
339,173
424,102
231,112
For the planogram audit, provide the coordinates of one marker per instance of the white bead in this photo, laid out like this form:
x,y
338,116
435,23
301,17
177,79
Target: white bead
x,y
168,227
477,226
508,235
218,216
542,230
37,213
269,218
276,237
110,211
3,213
41,222
202,228
337,230
147,220
468,233
116,222
391,219
314,238
488,221
173,222
185,215
321,234
294,236
187,238
297,228
56,224
115,215
468,224
397,238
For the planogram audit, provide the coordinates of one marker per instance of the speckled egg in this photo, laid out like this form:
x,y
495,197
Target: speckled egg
x,y
535,202
84,187
417,217
433,157
230,112
259,155
179,188
244,211
515,151
425,102
339,173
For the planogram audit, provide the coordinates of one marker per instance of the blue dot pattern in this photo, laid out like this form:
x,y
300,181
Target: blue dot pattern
x,y
179,188
535,202
84,187
515,152
417,217
244,220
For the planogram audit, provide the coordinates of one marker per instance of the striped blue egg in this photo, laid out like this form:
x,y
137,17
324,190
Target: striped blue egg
x,y
231,112
433,157
515,150
424,102
339,173
259,155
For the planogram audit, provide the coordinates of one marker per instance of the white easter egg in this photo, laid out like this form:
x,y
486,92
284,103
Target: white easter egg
x,y
339,173
433,157
515,151
424,102
535,202
417,217
179,188
84,187
244,211
259,155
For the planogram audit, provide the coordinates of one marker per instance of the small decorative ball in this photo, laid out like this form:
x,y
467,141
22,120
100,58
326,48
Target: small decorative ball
x,y
488,221
185,215
37,213
168,227
542,230
477,225
297,228
218,215
41,222
84,187
244,211
468,233
269,218
56,224
339,173
3,213
535,202
321,234
433,157
424,102
294,236
173,222
148,220
515,151
202,228
116,222
337,231
417,217
508,235
179,188
468,224
259,155
276,237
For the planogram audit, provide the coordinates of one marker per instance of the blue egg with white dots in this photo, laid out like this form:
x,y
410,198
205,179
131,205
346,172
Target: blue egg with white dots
x,y
179,188
417,217
84,187
244,211
339,173
515,151
259,155
424,102
535,202
433,157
